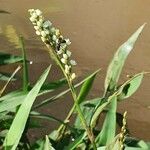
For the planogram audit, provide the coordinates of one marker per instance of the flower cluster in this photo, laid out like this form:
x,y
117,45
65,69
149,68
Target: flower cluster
x,y
123,131
52,37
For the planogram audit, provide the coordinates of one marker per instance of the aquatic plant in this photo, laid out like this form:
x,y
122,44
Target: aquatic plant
x,y
17,111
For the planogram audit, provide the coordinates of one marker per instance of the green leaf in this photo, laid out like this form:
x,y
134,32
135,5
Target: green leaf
x,y
100,108
18,125
38,145
108,130
11,100
54,85
6,77
56,97
38,115
25,66
86,87
47,145
114,145
134,148
9,59
87,108
76,142
116,65
130,86
126,148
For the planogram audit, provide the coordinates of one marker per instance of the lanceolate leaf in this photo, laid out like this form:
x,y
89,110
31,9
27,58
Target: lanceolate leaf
x,y
18,125
76,142
130,86
108,130
6,77
86,87
47,145
9,59
115,67
100,108
13,99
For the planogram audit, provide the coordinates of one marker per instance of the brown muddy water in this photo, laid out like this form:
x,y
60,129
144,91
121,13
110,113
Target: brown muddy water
x,y
96,28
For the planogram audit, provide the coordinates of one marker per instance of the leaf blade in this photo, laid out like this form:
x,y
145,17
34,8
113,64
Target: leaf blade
x,y
18,125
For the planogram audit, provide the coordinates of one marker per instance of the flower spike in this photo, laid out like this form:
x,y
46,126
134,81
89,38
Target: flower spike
x,y
52,37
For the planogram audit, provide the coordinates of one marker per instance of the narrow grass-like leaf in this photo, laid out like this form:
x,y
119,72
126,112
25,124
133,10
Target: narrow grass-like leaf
x,y
116,65
87,85
11,100
76,142
13,74
6,76
25,66
126,148
56,97
54,85
108,130
18,125
47,145
9,59
38,115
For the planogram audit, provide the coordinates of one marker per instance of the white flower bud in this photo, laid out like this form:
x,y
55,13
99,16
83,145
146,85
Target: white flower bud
x,y
36,27
67,41
38,12
31,11
57,32
65,56
38,32
52,29
63,46
32,19
67,69
54,38
47,32
34,15
73,62
39,23
68,53
43,38
47,24
73,76
43,33
59,52
64,61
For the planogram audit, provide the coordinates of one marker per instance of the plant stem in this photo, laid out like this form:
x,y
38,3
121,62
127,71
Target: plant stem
x,y
81,116
73,92
25,67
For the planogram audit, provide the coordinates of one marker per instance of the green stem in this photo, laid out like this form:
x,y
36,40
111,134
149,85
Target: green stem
x,y
71,86
25,67
81,116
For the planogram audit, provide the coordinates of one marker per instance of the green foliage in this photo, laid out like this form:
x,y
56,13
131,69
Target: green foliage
x,y
115,67
86,87
18,114
18,125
